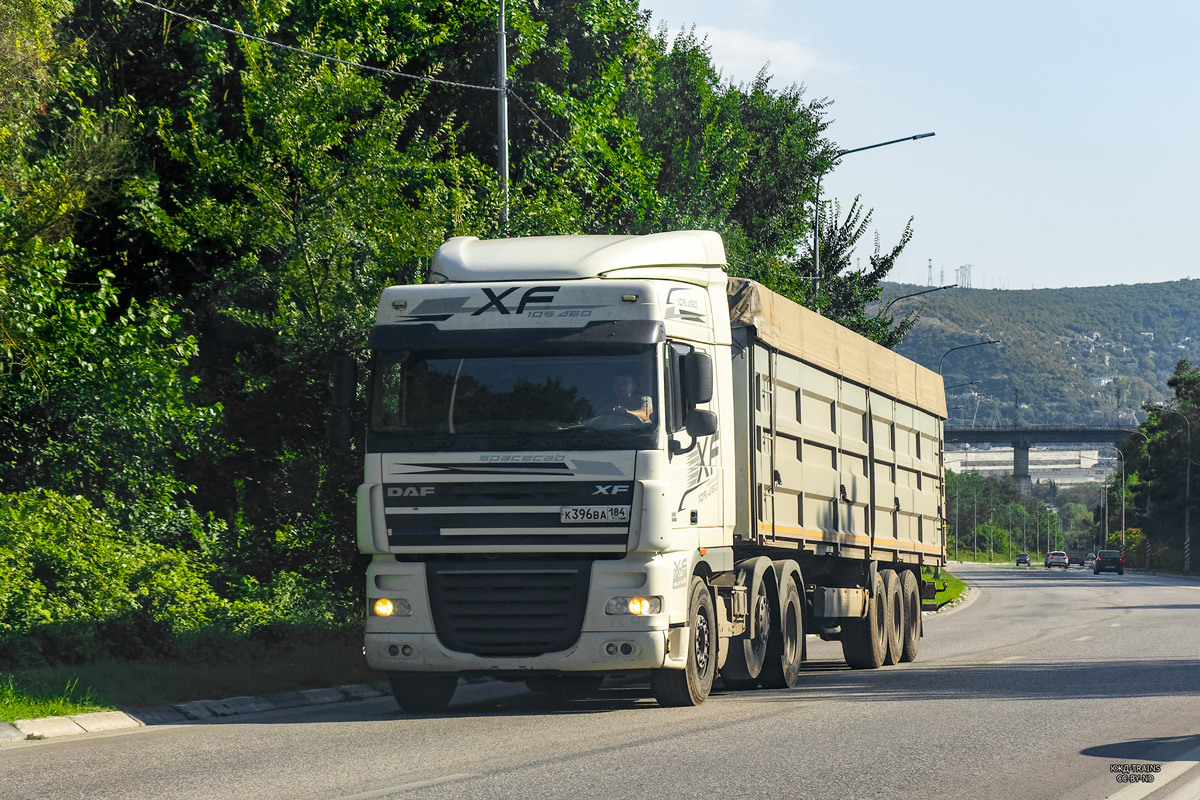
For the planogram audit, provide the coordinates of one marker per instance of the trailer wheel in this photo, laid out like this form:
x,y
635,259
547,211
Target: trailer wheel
x,y
746,657
786,646
422,693
690,686
864,641
910,589
894,620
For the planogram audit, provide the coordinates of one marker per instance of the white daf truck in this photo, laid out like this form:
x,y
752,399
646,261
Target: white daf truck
x,y
588,455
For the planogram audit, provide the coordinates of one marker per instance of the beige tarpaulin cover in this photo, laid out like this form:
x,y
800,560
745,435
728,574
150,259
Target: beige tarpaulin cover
x,y
795,330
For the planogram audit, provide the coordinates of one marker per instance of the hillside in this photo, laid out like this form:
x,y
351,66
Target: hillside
x,y
1067,356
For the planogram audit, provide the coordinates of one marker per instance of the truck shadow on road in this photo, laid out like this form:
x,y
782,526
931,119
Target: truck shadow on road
x,y
1158,749
1011,680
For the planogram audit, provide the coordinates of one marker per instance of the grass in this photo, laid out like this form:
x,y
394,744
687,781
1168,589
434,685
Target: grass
x,y
953,587
307,660
17,702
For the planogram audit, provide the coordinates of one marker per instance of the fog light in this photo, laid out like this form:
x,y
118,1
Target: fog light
x,y
407,650
626,649
384,607
636,606
393,651
611,648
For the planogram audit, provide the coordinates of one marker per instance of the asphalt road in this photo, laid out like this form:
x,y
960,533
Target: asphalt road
x,y
1039,688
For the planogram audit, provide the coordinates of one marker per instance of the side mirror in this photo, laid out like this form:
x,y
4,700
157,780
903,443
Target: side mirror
x,y
345,391
697,378
701,423
341,431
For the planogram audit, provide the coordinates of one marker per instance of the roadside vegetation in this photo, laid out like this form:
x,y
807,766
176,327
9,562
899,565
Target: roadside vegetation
x,y
193,224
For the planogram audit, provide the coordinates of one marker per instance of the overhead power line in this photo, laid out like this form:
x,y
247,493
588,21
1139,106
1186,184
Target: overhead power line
x,y
302,51
507,89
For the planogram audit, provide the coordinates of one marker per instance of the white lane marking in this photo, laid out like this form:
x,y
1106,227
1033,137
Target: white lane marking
x,y
1115,625
1083,638
1189,792
1170,771
404,787
1005,660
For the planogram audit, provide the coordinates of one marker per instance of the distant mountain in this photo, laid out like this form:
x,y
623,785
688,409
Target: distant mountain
x,y
1067,356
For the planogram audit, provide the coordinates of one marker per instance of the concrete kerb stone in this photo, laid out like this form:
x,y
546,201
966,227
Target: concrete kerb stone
x,y
105,721
194,711
48,727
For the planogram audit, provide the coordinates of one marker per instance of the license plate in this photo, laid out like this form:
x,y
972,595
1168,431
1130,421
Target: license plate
x,y
594,514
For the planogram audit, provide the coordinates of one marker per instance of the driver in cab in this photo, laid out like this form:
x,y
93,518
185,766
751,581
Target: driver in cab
x,y
627,399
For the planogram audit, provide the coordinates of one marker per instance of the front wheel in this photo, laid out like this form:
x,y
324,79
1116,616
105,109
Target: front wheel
x,y
423,693
690,686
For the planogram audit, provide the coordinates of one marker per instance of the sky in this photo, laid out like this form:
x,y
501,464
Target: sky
x,y
1067,147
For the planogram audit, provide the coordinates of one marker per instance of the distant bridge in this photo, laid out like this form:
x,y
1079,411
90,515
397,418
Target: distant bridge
x,y
1022,438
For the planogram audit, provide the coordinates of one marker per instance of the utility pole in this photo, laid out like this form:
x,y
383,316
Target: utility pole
x,y
502,118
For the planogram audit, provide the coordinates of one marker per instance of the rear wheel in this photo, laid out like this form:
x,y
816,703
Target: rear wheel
x,y
423,692
747,655
785,648
690,686
864,641
910,589
894,622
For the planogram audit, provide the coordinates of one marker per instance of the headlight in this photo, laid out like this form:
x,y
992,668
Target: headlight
x,y
398,607
635,606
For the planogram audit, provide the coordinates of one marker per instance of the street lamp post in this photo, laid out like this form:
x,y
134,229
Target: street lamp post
x,y
817,199
963,347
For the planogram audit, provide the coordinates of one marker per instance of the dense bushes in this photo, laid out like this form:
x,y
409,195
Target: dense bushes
x,y
77,588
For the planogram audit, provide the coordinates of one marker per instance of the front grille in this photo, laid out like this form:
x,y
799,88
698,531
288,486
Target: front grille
x,y
514,608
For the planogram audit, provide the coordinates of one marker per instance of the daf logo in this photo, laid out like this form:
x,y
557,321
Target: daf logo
x,y
409,491
611,489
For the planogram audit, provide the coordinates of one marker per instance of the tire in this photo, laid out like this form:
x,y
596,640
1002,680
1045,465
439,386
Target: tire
x,y
423,693
565,687
894,619
1120,572
864,641
746,657
785,648
1096,572
910,589
690,686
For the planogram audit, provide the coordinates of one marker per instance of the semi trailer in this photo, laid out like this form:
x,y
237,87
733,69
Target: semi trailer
x,y
593,455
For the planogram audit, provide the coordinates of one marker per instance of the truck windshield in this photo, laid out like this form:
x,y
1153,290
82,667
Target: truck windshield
x,y
439,401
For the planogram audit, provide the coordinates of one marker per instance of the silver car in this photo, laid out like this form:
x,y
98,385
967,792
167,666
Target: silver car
x,y
1057,558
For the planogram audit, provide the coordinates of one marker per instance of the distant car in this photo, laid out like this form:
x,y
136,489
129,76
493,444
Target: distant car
x,y
1057,558
1089,561
1109,561
1022,559
1074,560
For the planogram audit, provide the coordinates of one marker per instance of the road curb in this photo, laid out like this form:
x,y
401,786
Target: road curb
x,y
194,711
24,730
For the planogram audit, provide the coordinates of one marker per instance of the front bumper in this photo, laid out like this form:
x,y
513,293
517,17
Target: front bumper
x,y
603,651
